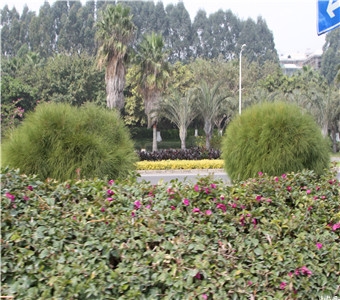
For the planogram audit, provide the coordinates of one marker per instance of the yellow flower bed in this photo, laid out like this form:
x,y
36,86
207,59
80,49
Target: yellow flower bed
x,y
180,164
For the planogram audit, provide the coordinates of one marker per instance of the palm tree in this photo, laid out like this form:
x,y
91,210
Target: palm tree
x,y
181,111
210,104
115,33
152,76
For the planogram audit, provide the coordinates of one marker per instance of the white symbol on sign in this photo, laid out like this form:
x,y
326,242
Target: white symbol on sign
x,y
332,6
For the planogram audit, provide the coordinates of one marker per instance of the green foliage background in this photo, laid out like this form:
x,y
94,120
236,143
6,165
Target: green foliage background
x,y
273,138
58,140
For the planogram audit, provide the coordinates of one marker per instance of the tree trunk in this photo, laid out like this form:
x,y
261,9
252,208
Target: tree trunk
x,y
182,136
334,142
115,82
208,133
154,138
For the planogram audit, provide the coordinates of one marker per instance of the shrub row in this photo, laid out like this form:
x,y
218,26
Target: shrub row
x,y
180,164
264,238
195,153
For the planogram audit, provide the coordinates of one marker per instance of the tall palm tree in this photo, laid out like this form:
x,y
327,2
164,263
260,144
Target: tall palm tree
x,y
181,111
211,105
115,31
152,76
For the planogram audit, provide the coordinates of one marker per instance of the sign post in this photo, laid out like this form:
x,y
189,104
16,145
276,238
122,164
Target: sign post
x,y
328,15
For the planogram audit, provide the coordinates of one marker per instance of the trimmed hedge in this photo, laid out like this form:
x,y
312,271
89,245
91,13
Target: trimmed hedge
x,y
180,164
63,142
274,138
265,238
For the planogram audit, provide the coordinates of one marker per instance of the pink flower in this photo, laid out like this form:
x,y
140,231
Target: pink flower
x,y
233,205
319,245
110,192
111,182
308,192
208,212
289,188
336,226
170,191
315,197
137,204
317,188
283,285
102,209
290,274
196,188
284,176
254,221
30,188
260,174
276,179
148,206
305,271
109,199
221,206
10,196
222,197
195,210
310,208
186,202
26,198
133,214
198,276
249,282
213,186
204,296
173,207
258,198
207,191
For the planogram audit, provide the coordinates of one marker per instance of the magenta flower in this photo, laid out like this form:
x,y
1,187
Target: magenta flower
x,y
30,188
102,209
111,182
208,212
133,214
148,206
186,202
249,282
310,208
308,192
204,296
336,226
109,199
284,176
233,205
222,207
173,207
319,245
258,198
289,188
110,192
305,271
276,179
315,197
222,197
137,204
10,196
195,210
260,174
198,276
207,191
196,188
26,198
254,221
213,186
283,285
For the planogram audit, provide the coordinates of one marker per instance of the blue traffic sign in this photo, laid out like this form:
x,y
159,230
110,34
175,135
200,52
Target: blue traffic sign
x,y
328,15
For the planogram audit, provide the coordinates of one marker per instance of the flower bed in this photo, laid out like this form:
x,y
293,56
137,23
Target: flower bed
x,y
264,238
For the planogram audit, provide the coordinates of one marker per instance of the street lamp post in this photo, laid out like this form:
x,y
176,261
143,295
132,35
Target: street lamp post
x,y
240,82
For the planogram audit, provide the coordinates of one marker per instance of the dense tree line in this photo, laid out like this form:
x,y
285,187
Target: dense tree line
x,y
69,26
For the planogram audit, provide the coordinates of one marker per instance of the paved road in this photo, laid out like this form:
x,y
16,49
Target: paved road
x,y
183,175
188,175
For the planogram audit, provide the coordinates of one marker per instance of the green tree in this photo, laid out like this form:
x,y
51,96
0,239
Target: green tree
x,y
180,110
331,56
211,104
153,73
115,31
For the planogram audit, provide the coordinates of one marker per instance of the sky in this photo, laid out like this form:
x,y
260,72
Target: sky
x,y
292,22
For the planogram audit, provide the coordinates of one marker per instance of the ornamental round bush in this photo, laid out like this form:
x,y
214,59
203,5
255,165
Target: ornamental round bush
x,y
273,138
63,142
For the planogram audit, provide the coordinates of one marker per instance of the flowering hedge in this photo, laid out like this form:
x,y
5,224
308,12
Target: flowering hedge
x,y
264,238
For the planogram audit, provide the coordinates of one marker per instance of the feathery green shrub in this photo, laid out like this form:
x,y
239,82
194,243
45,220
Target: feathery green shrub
x,y
64,142
273,138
